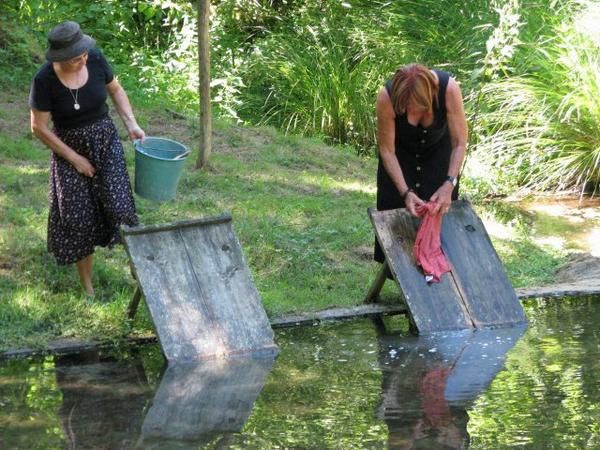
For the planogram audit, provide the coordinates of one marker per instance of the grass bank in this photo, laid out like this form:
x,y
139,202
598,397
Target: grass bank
x,y
299,211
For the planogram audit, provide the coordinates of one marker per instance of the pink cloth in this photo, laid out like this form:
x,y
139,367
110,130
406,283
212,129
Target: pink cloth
x,y
428,248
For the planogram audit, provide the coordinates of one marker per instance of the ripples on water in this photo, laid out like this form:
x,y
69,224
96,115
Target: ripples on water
x,y
358,384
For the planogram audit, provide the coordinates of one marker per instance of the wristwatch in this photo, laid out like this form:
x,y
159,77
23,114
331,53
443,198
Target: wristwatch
x,y
452,180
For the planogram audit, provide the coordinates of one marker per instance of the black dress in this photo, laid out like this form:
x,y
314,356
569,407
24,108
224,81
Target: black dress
x,y
84,212
423,154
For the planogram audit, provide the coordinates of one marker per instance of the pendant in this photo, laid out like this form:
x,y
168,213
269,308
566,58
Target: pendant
x,y
76,106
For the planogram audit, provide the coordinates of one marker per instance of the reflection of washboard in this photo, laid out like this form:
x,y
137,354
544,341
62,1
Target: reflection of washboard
x,y
198,400
198,289
475,294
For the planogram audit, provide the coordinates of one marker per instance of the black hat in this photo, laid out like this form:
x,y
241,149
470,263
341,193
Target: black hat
x,y
66,41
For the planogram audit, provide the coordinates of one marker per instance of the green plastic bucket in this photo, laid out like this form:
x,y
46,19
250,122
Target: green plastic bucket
x,y
158,166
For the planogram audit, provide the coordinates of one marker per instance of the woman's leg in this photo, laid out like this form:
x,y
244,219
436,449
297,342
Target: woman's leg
x,y
84,267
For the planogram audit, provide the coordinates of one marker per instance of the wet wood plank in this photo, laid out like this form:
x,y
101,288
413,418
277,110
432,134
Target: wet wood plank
x,y
579,289
476,293
432,307
198,289
478,272
313,318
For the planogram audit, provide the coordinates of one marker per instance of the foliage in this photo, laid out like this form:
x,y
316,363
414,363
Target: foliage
x,y
19,54
334,80
541,124
151,43
319,71
311,67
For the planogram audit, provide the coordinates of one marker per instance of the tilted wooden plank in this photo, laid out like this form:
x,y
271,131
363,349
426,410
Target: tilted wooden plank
x,y
432,307
199,290
216,256
478,272
183,318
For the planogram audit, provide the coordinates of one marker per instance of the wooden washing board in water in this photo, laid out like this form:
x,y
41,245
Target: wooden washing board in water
x,y
198,289
475,294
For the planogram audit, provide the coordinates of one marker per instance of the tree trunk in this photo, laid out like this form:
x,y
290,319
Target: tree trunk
x,y
204,85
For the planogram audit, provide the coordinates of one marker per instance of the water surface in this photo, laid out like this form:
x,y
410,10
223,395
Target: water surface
x,y
352,385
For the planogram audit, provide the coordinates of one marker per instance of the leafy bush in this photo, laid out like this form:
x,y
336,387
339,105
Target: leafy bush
x,y
542,125
19,53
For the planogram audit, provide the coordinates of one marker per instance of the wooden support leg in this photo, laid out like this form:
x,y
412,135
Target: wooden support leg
x,y
133,305
377,284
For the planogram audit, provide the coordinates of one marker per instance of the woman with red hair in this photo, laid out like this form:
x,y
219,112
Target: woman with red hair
x,y
422,140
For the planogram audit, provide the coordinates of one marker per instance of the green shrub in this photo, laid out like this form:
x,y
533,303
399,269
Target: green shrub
x,y
542,126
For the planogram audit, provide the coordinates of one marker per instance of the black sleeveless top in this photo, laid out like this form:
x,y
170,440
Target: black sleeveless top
x,y
49,94
423,154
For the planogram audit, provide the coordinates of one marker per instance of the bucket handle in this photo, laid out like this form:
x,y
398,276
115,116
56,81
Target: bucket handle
x,y
182,155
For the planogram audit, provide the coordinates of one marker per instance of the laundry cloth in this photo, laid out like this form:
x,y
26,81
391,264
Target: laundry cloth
x,y
428,248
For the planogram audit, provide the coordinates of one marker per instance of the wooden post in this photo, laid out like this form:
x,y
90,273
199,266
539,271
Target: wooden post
x,y
133,304
377,284
204,82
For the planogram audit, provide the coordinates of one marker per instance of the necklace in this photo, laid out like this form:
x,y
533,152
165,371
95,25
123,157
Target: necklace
x,y
75,97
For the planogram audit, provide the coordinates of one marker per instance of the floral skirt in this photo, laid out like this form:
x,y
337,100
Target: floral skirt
x,y
86,212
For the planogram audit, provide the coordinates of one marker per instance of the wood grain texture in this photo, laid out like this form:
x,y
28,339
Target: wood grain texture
x,y
199,290
478,271
476,293
432,307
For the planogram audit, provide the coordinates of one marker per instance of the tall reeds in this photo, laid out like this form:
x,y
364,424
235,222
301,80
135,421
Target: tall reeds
x,y
542,126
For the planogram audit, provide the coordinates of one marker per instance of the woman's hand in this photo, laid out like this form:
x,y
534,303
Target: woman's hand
x,y
443,198
83,166
135,132
412,202
39,127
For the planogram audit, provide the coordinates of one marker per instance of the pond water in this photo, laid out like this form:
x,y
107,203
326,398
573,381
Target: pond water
x,y
354,385
569,223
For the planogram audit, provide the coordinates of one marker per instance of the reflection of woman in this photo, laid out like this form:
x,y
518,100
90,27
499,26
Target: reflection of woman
x,y
413,400
422,137
90,194
428,423
438,420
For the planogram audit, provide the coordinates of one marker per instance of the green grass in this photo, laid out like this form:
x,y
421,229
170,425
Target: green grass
x,y
299,209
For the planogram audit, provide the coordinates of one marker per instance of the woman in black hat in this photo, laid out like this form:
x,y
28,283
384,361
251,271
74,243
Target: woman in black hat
x,y
90,193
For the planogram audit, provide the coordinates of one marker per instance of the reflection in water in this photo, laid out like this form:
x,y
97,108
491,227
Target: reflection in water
x,y
205,401
103,400
335,386
430,381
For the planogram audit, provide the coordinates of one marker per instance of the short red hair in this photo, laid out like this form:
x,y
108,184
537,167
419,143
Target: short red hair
x,y
413,85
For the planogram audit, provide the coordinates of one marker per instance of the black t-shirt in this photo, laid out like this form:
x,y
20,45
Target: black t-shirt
x,y
49,94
